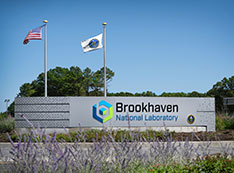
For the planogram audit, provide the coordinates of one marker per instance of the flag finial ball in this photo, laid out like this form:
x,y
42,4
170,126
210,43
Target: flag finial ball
x,y
104,23
45,21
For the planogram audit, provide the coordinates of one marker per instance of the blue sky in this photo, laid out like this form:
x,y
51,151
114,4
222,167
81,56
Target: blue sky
x,y
155,45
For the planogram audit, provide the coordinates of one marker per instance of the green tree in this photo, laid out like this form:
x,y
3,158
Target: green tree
x,y
26,90
223,88
75,78
98,81
146,94
196,94
11,109
178,94
68,82
58,79
87,82
121,94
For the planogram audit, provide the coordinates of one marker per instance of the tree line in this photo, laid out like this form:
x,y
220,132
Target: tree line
x,y
68,82
223,88
76,82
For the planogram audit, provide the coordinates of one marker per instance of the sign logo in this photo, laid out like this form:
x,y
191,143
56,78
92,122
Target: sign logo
x,y
94,43
104,112
191,119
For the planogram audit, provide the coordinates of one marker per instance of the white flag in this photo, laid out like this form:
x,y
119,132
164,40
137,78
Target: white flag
x,y
92,43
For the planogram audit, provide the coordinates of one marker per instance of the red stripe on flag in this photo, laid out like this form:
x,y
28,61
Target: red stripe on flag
x,y
32,36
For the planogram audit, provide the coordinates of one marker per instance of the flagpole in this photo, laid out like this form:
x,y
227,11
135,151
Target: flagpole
x,y
45,55
104,48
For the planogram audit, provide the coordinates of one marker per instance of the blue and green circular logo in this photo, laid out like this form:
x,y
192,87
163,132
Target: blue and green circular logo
x,y
102,114
191,119
94,43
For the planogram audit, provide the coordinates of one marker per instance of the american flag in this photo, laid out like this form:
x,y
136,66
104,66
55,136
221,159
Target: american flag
x,y
34,34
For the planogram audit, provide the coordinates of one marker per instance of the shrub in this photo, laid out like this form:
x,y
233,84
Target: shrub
x,y
229,122
219,123
111,151
3,116
128,151
63,138
40,152
215,163
224,122
7,125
